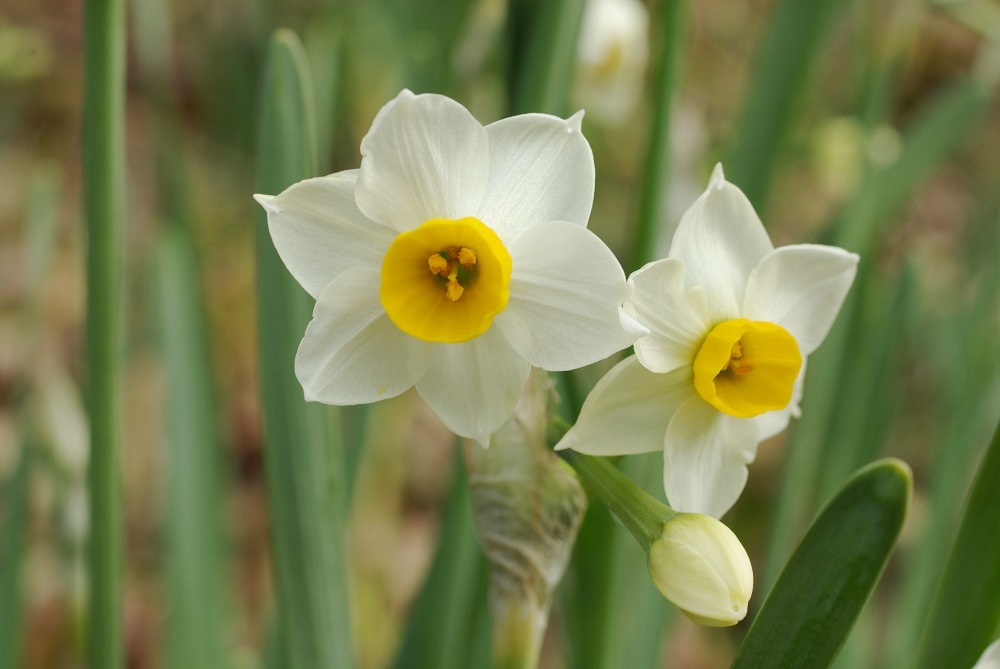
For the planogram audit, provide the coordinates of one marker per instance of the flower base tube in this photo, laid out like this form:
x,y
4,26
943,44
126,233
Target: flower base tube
x,y
527,505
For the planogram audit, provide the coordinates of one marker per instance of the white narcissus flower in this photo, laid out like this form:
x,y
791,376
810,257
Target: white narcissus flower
x,y
612,54
456,258
731,322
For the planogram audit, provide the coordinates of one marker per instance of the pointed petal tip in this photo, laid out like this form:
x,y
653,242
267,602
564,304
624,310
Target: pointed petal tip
x,y
266,201
718,178
575,122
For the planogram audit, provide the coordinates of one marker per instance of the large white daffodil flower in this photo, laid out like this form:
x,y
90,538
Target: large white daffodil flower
x,y
454,259
731,321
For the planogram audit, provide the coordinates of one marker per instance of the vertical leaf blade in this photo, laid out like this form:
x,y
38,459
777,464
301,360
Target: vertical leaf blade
x,y
303,452
966,612
828,579
104,206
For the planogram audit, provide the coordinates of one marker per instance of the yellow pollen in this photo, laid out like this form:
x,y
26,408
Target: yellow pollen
x,y
454,289
467,257
438,265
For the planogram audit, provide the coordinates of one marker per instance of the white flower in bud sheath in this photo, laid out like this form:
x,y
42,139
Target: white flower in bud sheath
x,y
731,321
990,658
612,54
700,566
456,258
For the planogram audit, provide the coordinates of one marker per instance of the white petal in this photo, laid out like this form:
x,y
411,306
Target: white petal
x,y
474,386
541,169
990,659
801,288
424,157
565,290
352,353
721,240
678,319
628,410
774,423
705,458
319,231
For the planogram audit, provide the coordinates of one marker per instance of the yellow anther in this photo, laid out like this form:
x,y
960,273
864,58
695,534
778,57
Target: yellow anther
x,y
454,289
467,257
438,265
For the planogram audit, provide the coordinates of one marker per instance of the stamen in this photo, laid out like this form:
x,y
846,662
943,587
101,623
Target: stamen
x,y
467,257
438,265
454,289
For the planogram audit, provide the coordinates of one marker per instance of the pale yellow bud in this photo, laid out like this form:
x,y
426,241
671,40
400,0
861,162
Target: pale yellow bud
x,y
699,565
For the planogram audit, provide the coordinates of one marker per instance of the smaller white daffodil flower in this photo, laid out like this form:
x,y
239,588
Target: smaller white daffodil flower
x,y
700,565
455,259
990,658
732,320
612,54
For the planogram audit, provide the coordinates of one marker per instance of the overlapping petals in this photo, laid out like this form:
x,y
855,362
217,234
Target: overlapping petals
x,y
531,180
721,267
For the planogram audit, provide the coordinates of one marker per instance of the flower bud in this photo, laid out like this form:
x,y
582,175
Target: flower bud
x,y
699,565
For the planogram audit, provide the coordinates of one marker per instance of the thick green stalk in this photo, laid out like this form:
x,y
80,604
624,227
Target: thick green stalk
x,y
303,456
673,19
104,205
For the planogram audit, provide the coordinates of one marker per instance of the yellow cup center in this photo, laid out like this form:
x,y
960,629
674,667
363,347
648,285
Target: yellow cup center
x,y
445,280
746,368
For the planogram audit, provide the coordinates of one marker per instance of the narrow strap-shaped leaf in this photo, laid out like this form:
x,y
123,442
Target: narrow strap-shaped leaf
x,y
543,71
671,23
795,37
104,211
831,574
966,613
303,457
441,624
195,561
13,527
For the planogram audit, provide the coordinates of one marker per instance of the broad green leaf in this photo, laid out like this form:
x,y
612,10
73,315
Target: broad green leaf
x,y
303,457
966,612
828,579
543,54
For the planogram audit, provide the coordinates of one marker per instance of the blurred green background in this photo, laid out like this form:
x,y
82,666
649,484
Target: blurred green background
x,y
871,125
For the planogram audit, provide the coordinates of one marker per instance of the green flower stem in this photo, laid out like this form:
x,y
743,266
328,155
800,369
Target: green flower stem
x,y
104,205
637,510
651,204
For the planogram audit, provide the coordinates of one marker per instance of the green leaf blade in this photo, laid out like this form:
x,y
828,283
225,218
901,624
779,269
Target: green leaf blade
x,y
828,579
966,612
303,459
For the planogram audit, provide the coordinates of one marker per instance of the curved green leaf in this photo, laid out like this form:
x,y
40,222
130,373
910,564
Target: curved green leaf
x,y
966,613
830,576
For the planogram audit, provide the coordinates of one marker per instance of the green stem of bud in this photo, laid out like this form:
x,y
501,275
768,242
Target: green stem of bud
x,y
640,513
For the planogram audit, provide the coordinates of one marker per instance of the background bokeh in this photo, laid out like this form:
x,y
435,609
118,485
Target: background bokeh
x,y
889,146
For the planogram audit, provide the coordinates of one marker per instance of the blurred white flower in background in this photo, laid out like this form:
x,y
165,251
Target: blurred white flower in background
x,y
612,54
